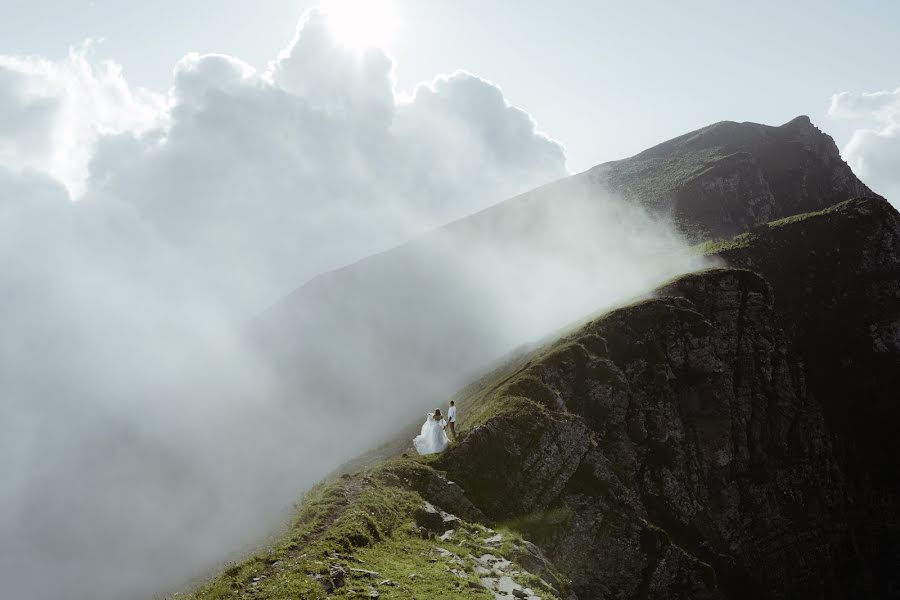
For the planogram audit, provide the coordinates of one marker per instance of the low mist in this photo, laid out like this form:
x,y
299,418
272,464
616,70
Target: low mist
x,y
162,405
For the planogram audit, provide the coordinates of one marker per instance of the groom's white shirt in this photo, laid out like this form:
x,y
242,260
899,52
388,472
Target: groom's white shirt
x,y
452,414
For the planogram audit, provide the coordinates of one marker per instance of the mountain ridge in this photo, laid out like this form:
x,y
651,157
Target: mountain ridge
x,y
684,446
653,436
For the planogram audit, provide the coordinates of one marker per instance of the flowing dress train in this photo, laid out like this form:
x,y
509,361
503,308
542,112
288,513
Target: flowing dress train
x,y
433,438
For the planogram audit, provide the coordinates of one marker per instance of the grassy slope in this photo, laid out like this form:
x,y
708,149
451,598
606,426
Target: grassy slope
x,y
364,524
745,240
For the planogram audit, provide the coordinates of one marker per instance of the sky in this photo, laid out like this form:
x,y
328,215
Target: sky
x,y
606,79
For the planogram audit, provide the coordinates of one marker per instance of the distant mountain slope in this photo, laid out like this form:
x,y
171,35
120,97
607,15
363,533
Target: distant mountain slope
x,y
723,179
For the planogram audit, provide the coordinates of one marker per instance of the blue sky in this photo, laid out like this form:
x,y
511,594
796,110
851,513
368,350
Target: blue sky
x,y
604,78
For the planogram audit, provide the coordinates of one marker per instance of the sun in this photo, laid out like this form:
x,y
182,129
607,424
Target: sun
x,y
362,24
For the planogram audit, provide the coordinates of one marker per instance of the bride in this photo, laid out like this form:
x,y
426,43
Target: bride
x,y
433,438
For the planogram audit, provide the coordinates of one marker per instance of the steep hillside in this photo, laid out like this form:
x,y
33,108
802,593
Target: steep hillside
x,y
731,437
725,178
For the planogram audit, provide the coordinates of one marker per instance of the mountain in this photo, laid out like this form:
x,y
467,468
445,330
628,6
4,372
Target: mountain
x,y
723,179
731,436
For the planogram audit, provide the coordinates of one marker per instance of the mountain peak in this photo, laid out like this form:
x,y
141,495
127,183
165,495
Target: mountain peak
x,y
725,178
802,120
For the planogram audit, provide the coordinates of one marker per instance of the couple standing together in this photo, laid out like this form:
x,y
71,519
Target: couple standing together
x,y
433,437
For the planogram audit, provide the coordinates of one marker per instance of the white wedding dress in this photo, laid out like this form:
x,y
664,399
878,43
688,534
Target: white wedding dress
x,y
433,438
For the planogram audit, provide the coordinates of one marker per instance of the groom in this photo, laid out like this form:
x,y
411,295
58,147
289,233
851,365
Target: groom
x,y
451,419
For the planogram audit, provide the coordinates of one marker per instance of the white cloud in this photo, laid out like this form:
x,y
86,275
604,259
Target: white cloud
x,y
314,162
874,148
357,86
52,112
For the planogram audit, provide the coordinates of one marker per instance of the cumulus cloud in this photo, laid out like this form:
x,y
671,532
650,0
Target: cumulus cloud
x,y
53,112
315,163
874,148
145,438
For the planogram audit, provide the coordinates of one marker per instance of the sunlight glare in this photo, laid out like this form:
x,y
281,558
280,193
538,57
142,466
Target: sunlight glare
x,y
362,23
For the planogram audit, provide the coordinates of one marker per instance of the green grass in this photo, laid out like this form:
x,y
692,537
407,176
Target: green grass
x,y
745,240
366,522
540,526
658,177
809,215
712,247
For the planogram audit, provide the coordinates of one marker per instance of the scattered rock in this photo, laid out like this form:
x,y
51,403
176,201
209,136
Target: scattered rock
x,y
336,578
435,520
533,560
363,573
429,517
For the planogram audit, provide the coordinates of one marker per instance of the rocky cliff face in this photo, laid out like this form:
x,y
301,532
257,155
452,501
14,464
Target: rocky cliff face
x,y
733,437
728,177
